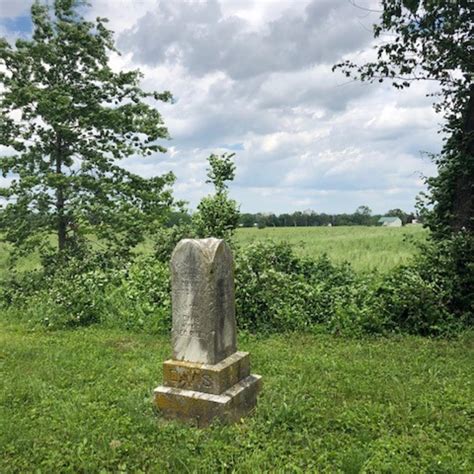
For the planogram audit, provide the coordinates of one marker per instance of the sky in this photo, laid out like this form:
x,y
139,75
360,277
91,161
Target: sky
x,y
254,77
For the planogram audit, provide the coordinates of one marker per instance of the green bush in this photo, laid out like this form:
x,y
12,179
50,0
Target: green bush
x,y
142,298
449,264
165,240
276,291
80,291
218,215
58,301
432,296
407,302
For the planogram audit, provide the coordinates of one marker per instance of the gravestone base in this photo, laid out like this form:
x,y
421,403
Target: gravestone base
x,y
199,393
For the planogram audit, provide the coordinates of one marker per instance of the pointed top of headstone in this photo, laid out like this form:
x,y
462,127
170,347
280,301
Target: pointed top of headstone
x,y
203,301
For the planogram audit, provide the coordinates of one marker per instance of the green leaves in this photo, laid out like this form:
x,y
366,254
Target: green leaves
x,y
222,169
70,117
218,215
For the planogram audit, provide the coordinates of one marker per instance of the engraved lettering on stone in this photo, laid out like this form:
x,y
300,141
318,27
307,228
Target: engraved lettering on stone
x,y
203,301
206,381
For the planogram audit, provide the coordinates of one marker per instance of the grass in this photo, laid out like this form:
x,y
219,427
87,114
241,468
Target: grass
x,y
367,248
80,401
24,263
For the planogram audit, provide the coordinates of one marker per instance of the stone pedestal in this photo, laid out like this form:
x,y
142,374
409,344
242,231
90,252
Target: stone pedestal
x,y
200,392
207,377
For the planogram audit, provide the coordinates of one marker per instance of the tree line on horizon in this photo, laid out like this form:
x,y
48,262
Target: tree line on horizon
x,y
309,218
312,218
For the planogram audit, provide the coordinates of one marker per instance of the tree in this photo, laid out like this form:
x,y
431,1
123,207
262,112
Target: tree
x,y
362,215
247,220
217,215
364,210
67,119
402,215
432,40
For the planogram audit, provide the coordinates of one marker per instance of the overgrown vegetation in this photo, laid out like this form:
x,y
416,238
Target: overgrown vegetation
x,y
68,181
276,291
217,215
368,249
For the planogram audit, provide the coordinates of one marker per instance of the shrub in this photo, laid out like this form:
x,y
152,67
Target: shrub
x,y
217,215
449,264
64,299
142,298
431,296
83,291
276,291
165,240
407,302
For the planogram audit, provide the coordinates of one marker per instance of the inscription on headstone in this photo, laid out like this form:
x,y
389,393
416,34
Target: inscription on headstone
x,y
203,301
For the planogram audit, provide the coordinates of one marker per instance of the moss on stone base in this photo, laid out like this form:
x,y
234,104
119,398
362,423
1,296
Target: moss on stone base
x,y
201,408
207,378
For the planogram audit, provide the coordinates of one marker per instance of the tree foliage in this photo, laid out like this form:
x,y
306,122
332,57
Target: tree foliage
x,y
402,215
432,40
67,118
217,215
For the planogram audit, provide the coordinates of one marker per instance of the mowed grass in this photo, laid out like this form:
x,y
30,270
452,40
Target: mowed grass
x,y
80,401
366,248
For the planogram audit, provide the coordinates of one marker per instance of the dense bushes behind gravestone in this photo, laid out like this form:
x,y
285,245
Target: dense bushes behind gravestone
x,y
81,291
276,291
432,296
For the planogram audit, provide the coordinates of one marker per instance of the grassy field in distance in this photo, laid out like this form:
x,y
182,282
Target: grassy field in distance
x,y
366,248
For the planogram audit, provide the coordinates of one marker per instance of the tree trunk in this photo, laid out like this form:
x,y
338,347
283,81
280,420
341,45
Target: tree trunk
x,y
463,202
61,222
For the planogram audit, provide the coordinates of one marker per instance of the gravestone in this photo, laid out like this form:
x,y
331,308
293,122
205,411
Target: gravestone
x,y
207,377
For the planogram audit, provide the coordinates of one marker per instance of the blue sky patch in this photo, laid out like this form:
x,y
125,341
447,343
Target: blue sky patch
x,y
18,24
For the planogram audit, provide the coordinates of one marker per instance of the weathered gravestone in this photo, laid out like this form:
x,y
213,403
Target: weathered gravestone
x,y
207,377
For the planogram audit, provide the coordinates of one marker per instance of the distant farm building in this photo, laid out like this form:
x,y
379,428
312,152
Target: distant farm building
x,y
390,221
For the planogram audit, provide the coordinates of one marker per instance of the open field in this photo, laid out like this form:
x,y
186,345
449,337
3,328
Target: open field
x,y
80,401
367,248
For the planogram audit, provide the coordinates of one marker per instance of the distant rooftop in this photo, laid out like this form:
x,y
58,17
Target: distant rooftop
x,y
382,220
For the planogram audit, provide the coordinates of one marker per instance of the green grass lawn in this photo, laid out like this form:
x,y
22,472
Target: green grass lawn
x,y
367,248
80,401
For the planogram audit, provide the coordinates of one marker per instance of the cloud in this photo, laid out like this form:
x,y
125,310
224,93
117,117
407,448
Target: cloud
x,y
14,8
199,36
255,77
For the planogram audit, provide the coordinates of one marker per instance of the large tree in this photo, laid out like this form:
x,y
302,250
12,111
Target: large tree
x,y
432,40
67,118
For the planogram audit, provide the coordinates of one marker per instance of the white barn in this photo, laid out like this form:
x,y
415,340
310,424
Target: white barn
x,y
390,221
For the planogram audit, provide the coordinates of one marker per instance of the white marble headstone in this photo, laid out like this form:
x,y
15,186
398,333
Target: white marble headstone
x,y
203,301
